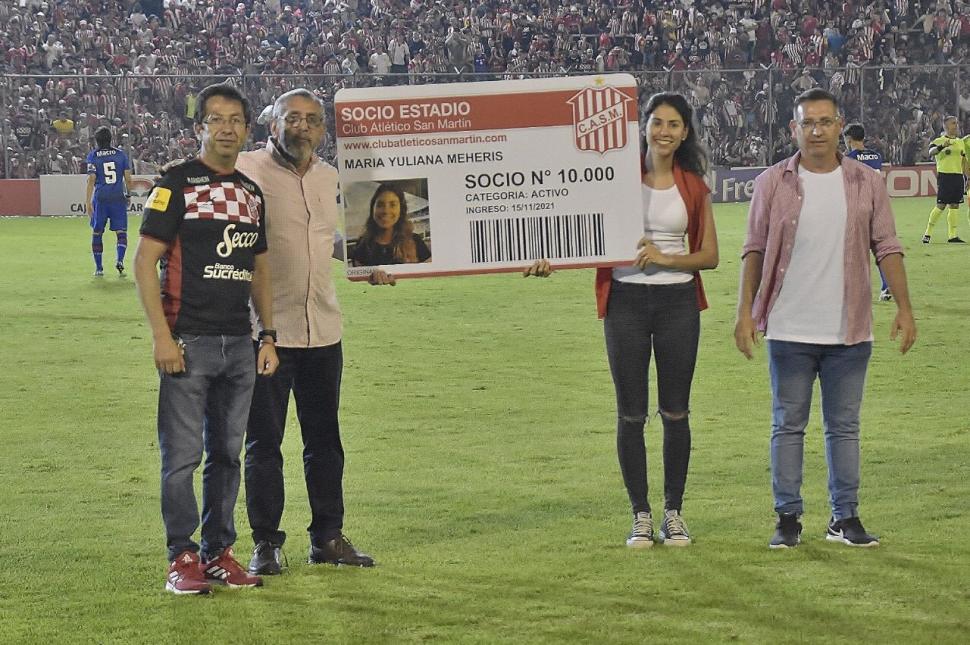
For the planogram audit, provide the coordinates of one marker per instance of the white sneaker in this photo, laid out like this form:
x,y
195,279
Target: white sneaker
x,y
885,296
673,530
641,536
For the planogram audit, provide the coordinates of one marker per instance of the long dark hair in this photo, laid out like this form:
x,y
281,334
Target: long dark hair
x,y
692,154
402,236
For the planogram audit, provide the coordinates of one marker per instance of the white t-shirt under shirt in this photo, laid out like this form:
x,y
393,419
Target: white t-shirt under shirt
x,y
665,223
810,307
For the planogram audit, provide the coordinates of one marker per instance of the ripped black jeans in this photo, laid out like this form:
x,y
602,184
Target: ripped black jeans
x,y
665,319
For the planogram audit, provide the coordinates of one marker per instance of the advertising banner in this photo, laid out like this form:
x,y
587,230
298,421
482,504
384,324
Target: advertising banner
x,y
732,184
65,194
737,184
19,197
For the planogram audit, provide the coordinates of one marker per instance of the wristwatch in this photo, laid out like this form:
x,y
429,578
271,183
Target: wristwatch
x,y
268,332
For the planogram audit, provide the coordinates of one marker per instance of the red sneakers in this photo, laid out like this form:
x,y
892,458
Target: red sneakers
x,y
225,570
185,575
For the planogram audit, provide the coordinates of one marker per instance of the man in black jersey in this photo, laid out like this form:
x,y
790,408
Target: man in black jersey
x,y
204,224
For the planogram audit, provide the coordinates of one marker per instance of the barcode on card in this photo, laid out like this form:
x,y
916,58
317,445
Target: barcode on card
x,y
513,239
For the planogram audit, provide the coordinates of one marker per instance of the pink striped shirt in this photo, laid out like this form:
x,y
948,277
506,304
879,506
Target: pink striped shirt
x,y
773,219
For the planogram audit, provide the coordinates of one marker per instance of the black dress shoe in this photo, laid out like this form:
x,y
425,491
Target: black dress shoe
x,y
266,560
339,551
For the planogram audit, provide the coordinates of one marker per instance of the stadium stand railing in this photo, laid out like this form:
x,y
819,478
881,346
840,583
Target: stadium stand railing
x,y
48,122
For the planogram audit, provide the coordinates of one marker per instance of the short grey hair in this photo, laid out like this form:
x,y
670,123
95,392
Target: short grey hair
x,y
280,105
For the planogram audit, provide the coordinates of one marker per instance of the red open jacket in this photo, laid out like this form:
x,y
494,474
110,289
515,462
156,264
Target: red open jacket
x,y
693,190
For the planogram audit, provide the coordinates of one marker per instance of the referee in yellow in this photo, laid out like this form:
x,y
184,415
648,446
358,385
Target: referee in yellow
x,y
950,152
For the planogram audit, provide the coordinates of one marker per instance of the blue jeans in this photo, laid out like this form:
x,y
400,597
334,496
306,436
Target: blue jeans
x,y
841,371
204,408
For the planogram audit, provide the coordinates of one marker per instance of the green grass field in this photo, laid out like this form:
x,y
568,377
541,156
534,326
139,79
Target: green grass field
x,y
478,423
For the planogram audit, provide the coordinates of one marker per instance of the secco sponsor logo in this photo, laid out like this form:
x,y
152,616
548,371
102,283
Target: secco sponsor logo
x,y
231,240
226,272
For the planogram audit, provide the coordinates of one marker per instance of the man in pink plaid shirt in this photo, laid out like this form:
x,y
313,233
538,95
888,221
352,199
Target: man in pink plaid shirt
x,y
813,220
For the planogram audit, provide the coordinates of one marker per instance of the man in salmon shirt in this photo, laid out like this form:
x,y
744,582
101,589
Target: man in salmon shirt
x,y
301,197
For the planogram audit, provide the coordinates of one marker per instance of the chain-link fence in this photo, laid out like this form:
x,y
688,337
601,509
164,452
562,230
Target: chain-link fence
x,y
48,122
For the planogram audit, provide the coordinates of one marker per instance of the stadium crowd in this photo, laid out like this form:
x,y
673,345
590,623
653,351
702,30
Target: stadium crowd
x,y
69,67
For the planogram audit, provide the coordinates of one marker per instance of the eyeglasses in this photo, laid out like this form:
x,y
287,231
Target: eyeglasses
x,y
312,120
824,124
215,121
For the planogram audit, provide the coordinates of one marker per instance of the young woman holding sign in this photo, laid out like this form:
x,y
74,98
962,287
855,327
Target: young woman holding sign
x,y
653,306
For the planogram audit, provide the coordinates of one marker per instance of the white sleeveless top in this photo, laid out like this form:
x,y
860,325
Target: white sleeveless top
x,y
665,223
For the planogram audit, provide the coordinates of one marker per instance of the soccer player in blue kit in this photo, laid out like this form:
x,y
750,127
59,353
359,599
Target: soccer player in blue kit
x,y
109,180
855,148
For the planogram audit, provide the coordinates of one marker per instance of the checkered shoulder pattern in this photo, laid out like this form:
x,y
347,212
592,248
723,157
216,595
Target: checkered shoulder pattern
x,y
222,200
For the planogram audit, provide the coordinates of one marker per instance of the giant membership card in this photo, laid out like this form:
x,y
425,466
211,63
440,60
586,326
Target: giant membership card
x,y
489,176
